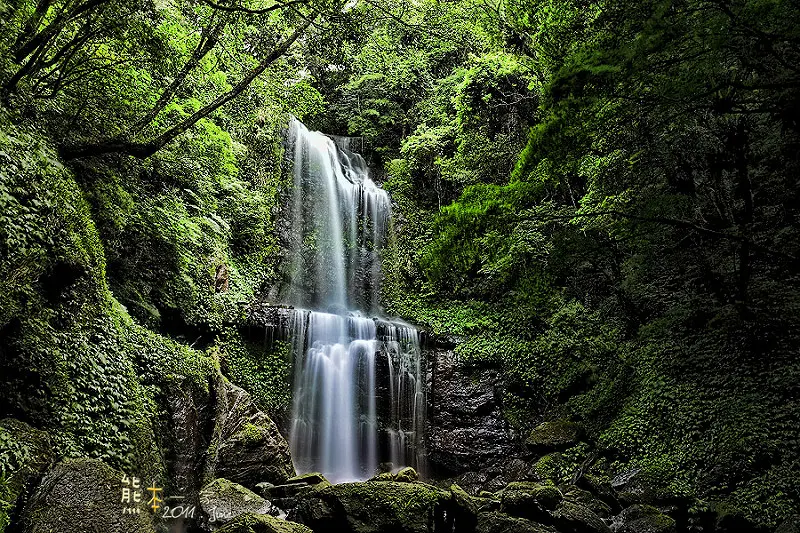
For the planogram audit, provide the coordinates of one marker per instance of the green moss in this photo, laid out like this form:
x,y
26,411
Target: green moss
x,y
253,523
251,433
553,435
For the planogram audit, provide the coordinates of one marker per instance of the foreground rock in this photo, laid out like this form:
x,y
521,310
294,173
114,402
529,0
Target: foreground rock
x,y
253,523
642,519
495,522
81,496
374,507
223,501
246,447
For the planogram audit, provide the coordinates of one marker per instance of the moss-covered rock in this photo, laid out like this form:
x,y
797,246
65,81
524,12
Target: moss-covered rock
x,y
643,519
587,499
553,435
495,522
406,475
246,447
82,495
25,453
530,500
374,507
222,501
571,517
254,523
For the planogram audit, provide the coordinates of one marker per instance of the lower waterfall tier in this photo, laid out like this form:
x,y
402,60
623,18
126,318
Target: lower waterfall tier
x,y
359,396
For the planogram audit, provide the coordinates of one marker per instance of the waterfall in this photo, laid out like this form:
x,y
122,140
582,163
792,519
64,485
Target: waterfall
x,y
358,396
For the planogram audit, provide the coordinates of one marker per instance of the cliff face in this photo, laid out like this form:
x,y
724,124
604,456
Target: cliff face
x,y
466,428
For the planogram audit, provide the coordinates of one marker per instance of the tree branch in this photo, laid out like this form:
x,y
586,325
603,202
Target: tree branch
x,y
144,150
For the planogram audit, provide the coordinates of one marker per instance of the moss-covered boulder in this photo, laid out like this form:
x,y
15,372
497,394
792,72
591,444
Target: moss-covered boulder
x,y
222,501
82,496
530,500
25,453
406,475
571,517
643,519
246,447
496,522
254,523
553,435
587,499
374,507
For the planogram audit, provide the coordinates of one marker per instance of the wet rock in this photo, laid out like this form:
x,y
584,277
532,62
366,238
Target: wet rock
x,y
571,517
223,500
466,428
495,522
81,496
553,436
374,507
254,523
246,447
642,519
530,500
31,453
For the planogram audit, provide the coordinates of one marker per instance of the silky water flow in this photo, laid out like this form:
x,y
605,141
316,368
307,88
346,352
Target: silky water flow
x,y
358,396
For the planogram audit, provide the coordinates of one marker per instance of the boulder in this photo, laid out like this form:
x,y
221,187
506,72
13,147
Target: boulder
x,y
28,453
587,499
494,522
223,500
374,507
406,475
571,517
530,500
82,496
642,519
246,446
552,436
255,523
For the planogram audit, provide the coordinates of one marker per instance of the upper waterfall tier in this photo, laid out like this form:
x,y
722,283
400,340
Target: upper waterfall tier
x,y
339,219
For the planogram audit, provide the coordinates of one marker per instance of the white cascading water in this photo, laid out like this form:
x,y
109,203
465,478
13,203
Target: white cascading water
x,y
358,396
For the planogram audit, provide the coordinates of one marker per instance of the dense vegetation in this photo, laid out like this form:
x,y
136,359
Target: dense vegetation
x,y
601,198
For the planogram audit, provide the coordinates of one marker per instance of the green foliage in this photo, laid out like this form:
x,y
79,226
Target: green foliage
x,y
262,370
